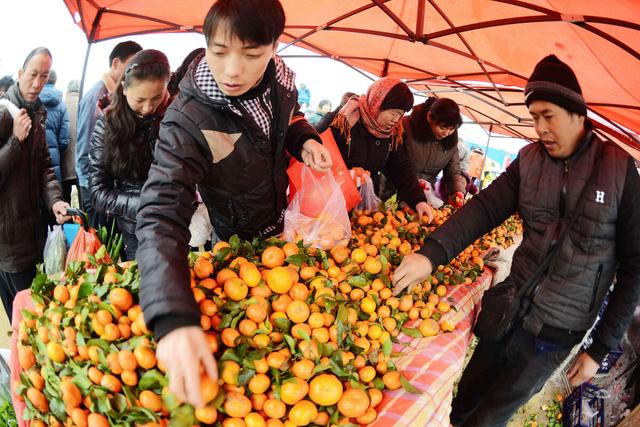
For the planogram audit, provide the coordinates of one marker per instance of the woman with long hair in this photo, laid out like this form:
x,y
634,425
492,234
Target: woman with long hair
x,y
368,131
124,139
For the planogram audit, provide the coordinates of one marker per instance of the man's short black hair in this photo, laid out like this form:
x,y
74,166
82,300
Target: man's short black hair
x,y
53,77
6,82
257,22
124,50
446,113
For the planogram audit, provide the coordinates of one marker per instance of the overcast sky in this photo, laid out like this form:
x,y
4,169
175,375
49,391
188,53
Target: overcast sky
x,y
27,24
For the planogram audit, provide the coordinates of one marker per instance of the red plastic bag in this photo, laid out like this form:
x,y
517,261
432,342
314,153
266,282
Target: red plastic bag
x,y
86,243
317,215
339,171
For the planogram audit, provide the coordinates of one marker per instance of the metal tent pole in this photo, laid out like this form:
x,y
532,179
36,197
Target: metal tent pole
x,y
484,159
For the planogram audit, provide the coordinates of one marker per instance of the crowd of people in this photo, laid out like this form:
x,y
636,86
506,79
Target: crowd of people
x,y
144,144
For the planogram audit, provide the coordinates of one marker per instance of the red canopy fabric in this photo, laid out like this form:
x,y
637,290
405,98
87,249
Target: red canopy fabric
x,y
481,48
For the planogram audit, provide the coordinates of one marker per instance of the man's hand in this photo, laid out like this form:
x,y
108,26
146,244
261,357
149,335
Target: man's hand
x,y
423,209
583,369
413,269
457,199
22,125
184,351
316,156
59,210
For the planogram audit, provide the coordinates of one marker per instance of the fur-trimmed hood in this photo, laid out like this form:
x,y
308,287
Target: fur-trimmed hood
x,y
420,129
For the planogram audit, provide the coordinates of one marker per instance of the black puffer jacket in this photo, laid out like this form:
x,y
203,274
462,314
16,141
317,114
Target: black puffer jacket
x,y
240,174
376,155
116,195
28,187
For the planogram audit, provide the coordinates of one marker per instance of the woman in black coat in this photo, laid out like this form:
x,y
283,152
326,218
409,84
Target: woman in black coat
x,y
124,139
368,131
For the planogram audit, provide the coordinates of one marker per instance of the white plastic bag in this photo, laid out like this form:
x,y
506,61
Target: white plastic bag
x,y
317,214
370,201
200,227
432,199
55,251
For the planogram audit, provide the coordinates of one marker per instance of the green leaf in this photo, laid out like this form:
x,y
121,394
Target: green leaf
x,y
119,403
245,375
387,347
56,406
297,259
290,342
356,384
378,383
183,416
234,242
408,387
412,332
229,354
358,281
305,336
282,323
85,290
153,379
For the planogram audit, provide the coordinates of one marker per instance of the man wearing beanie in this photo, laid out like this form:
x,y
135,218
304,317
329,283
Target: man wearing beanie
x,y
579,198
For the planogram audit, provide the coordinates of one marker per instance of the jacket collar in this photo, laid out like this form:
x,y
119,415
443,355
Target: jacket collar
x,y
14,95
421,130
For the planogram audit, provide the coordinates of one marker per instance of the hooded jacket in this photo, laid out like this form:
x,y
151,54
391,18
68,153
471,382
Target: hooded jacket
x,y
28,187
57,126
240,174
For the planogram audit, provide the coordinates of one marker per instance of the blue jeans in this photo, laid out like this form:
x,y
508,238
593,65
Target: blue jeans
x,y
501,377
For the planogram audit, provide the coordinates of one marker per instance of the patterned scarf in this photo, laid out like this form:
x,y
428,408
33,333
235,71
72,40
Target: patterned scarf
x,y
366,108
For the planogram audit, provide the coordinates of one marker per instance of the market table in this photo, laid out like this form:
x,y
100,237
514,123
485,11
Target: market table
x,y
430,364
434,364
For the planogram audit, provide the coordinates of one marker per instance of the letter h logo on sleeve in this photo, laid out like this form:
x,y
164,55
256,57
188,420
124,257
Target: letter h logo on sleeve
x,y
600,197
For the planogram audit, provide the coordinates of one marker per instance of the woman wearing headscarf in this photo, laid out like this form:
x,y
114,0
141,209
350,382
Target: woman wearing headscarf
x,y
368,131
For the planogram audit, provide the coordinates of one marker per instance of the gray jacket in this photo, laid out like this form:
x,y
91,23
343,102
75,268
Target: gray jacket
x,y
68,165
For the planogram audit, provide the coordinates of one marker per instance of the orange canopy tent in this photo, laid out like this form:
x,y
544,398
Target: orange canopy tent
x,y
478,52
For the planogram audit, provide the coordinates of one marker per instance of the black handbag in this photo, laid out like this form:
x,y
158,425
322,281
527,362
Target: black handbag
x,y
502,305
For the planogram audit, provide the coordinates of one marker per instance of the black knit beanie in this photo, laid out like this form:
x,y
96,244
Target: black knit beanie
x,y
399,97
554,81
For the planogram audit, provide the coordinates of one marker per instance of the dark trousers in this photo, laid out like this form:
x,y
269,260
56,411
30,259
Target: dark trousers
x,y
130,244
501,377
97,219
11,284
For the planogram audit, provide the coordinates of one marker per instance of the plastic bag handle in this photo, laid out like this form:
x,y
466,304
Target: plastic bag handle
x,y
84,219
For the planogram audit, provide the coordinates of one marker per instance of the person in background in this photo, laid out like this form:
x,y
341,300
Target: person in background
x,y
57,125
368,131
231,132
68,166
304,96
326,120
579,199
89,110
176,77
431,140
463,153
5,83
314,117
29,189
124,139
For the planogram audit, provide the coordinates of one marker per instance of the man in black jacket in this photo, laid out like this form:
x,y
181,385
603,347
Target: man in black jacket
x,y
228,132
596,239
29,189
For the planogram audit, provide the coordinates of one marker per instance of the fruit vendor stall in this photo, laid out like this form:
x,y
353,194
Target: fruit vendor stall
x,y
302,336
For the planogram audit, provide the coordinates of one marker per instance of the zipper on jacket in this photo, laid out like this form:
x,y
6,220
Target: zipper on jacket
x,y
595,289
563,205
